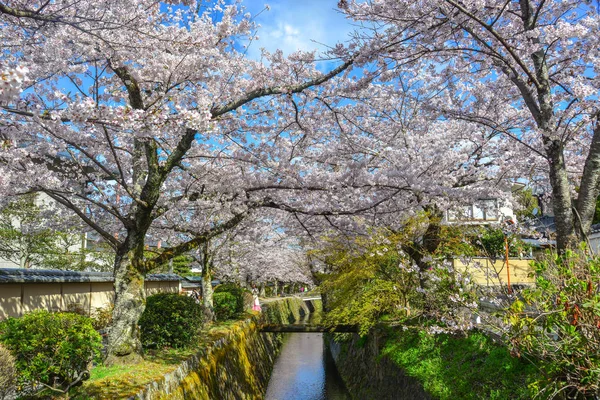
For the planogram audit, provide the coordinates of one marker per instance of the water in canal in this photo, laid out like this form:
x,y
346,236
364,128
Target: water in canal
x,y
305,370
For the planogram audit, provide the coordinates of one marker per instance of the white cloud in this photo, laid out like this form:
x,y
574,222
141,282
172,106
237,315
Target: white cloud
x,y
293,25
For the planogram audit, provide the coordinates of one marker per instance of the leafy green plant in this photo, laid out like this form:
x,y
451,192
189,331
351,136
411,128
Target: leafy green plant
x,y
225,304
235,291
8,372
490,242
27,239
527,202
375,278
556,324
52,350
102,317
170,319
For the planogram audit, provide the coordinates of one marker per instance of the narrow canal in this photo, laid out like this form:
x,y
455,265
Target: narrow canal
x,y
305,370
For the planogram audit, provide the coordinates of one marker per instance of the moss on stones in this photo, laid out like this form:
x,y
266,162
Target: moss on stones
x,y
238,362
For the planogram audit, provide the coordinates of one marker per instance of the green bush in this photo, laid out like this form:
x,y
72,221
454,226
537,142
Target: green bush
x,y
556,324
170,319
102,317
235,291
53,349
7,372
225,305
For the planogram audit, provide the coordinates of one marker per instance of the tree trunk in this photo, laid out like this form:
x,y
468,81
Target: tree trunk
x,y
24,261
207,290
428,244
589,186
124,342
561,199
262,292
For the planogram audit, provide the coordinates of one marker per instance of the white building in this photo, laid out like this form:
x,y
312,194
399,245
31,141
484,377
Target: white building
x,y
16,244
482,212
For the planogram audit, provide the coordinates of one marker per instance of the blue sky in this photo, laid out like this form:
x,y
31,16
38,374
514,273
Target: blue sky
x,y
292,25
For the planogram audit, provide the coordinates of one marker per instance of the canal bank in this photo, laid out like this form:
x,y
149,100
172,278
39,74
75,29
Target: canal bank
x,y
410,363
238,365
367,372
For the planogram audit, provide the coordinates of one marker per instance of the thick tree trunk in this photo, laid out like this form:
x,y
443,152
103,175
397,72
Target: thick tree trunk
x,y
207,290
589,187
262,292
429,243
124,343
561,197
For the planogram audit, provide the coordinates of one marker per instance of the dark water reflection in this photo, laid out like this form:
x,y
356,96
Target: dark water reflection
x,y
304,370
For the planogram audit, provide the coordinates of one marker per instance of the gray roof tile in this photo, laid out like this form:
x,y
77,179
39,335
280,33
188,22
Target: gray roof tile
x,y
20,275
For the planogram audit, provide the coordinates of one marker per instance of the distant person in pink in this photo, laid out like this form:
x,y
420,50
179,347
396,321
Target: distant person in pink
x,y
256,306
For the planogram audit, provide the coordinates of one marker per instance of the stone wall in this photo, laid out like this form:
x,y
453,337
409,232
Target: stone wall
x,y
369,375
237,366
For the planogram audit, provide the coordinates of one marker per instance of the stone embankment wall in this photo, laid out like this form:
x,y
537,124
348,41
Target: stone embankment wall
x,y
237,366
369,375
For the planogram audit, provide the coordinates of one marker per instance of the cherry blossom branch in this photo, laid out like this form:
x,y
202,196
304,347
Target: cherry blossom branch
x,y
254,94
67,203
195,242
498,37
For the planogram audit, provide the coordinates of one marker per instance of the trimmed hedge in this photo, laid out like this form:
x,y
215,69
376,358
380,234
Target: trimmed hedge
x,y
235,291
170,319
225,305
54,349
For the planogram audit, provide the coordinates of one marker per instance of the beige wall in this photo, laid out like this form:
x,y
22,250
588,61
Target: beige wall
x,y
76,296
103,293
42,296
161,286
19,298
486,273
10,299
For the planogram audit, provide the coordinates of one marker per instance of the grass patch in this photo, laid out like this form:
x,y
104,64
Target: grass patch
x,y
471,367
122,381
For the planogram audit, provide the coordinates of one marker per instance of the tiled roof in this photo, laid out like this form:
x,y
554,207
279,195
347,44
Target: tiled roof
x,y
20,275
162,277
193,281
543,224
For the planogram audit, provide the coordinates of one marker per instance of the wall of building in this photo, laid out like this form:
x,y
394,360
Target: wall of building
x,y
19,298
486,273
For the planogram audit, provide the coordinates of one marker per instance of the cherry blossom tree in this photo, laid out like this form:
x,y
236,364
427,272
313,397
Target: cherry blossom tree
x,y
265,252
11,83
526,69
133,112
418,163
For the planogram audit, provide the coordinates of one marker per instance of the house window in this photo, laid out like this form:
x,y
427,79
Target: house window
x,y
487,210
482,210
